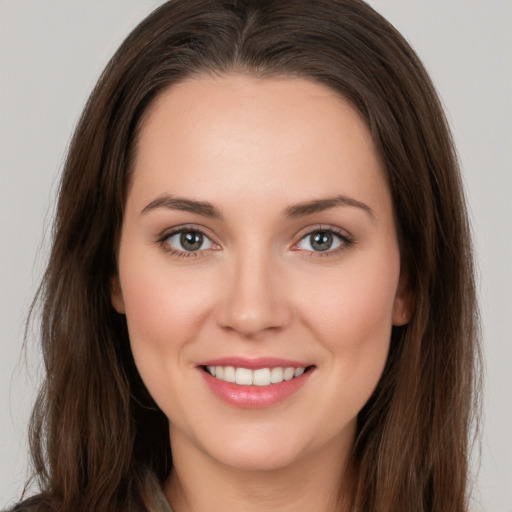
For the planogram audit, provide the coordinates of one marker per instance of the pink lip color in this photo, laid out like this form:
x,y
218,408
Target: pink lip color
x,y
254,364
252,397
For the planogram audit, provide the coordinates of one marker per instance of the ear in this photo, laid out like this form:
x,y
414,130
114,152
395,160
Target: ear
x,y
116,295
404,302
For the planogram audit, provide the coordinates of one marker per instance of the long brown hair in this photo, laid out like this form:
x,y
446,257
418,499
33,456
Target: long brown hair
x,y
97,437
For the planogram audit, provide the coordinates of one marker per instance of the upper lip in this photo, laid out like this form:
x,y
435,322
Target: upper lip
x,y
254,363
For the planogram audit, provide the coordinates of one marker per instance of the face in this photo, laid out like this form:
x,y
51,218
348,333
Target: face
x,y
258,268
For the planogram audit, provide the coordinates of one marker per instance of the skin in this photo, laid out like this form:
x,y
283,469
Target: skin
x,y
253,148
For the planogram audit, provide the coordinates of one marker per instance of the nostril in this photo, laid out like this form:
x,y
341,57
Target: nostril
x,y
250,319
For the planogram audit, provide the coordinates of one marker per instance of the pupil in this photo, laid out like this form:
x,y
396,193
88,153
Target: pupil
x,y
321,241
191,240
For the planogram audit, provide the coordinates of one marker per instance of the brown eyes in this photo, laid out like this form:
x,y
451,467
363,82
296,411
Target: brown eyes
x,y
191,240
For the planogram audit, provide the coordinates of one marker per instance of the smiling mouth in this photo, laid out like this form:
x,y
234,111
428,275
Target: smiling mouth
x,y
259,377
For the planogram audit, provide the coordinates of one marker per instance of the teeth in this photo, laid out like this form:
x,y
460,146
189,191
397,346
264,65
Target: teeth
x,y
288,373
298,372
276,375
243,376
260,377
229,374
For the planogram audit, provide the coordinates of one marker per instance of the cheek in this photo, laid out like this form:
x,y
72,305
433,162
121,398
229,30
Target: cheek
x,y
354,327
351,314
164,307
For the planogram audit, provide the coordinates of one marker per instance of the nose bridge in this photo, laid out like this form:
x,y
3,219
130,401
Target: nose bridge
x,y
254,300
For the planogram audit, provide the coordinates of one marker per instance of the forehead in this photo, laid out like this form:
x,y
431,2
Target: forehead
x,y
246,134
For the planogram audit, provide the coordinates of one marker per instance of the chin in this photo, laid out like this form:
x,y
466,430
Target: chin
x,y
267,448
258,458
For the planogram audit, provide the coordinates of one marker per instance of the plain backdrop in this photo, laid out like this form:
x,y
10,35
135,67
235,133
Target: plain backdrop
x,y
51,53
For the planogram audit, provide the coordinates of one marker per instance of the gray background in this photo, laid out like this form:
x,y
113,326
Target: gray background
x,y
52,51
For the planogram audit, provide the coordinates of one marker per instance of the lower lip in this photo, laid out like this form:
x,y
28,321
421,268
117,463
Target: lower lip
x,y
252,397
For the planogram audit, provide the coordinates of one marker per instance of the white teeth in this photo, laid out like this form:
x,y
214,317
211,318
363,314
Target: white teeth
x,y
243,376
229,374
260,377
288,373
276,375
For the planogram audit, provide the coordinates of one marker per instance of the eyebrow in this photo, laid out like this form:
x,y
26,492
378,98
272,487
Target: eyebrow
x,y
319,205
207,209
187,205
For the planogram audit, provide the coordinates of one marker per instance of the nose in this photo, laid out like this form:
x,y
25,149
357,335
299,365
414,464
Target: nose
x,y
254,298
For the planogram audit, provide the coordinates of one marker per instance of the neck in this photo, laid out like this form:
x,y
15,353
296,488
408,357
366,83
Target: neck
x,y
198,483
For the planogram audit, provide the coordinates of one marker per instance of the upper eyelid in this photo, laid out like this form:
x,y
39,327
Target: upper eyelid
x,y
166,233
163,242
303,233
342,233
346,239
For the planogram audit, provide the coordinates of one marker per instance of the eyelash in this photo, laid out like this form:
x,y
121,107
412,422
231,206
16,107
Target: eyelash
x,y
162,241
346,241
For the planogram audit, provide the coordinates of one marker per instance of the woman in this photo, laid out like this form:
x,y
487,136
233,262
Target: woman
x,y
260,292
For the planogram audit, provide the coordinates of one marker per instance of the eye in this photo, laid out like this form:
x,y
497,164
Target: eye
x,y
188,240
323,240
